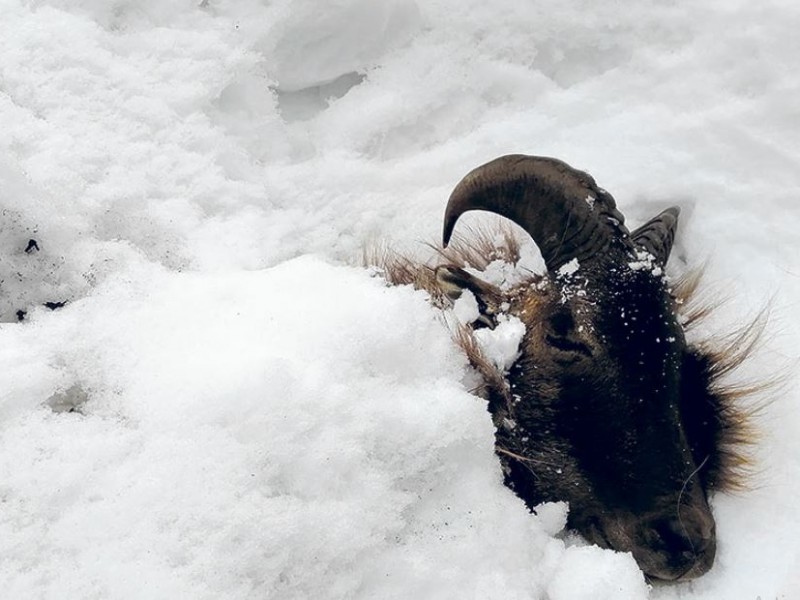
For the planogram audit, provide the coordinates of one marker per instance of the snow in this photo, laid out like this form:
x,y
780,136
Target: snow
x,y
569,269
228,406
501,344
465,308
620,579
646,262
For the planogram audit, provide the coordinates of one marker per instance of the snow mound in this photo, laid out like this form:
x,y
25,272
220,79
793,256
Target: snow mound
x,y
241,435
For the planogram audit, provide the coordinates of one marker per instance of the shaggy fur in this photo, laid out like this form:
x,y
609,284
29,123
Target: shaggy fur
x,y
719,421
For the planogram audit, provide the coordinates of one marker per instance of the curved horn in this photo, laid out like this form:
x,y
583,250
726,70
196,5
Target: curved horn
x,y
561,208
656,236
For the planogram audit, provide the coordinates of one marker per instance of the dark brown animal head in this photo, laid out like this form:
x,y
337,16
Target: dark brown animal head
x,y
606,407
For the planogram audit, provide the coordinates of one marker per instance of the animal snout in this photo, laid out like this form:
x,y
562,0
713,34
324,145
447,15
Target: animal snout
x,y
684,535
684,544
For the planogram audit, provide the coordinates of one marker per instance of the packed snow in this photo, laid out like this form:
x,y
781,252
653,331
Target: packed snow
x,y
228,405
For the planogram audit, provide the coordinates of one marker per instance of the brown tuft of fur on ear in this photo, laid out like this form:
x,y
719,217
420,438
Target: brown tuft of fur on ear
x,y
475,248
398,269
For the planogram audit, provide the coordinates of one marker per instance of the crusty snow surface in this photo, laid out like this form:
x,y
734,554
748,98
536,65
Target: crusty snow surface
x,y
229,405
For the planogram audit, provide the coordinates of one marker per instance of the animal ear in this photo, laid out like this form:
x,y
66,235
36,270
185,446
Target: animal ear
x,y
452,281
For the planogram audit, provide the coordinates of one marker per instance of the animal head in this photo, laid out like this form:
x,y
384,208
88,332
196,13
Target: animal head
x,y
607,407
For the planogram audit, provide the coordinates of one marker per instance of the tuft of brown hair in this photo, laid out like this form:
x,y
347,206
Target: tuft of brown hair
x,y
720,413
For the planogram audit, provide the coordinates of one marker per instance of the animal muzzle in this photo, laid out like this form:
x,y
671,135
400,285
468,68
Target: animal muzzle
x,y
672,544
678,547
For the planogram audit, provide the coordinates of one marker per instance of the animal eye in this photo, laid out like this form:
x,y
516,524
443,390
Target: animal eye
x,y
568,345
562,323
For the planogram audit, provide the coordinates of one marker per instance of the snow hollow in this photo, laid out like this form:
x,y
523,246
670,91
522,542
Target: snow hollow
x,y
228,405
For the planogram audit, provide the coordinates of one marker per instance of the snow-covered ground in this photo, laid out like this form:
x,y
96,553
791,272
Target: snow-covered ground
x,y
257,416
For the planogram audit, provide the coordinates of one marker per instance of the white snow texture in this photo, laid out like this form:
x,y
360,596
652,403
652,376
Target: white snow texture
x,y
228,405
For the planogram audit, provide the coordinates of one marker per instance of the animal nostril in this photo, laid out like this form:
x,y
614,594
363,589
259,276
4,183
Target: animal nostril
x,y
687,538
672,535
680,538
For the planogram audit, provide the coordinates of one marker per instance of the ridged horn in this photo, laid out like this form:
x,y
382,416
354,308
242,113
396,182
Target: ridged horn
x,y
656,236
561,208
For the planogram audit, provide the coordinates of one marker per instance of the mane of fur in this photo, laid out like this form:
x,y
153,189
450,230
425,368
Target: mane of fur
x,y
732,407
725,409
